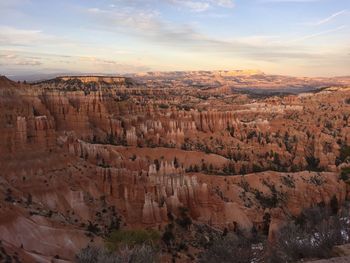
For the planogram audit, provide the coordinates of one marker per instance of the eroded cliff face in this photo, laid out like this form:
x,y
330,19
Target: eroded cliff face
x,y
82,151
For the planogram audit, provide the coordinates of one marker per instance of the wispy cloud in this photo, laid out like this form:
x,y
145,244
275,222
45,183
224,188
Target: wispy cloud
x,y
203,5
12,36
132,35
150,27
224,3
329,18
189,5
326,32
196,6
289,1
11,60
147,24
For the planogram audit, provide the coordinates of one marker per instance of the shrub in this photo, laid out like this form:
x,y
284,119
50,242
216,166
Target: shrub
x,y
168,237
334,204
316,180
288,181
244,185
344,153
89,255
184,219
312,163
345,174
311,236
257,168
229,249
270,201
93,228
132,237
163,106
138,254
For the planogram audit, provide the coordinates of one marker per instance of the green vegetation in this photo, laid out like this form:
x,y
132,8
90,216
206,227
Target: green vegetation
x,y
345,174
272,200
257,168
344,153
132,237
93,228
229,169
230,248
288,181
163,106
313,163
312,235
267,201
137,254
334,204
184,220
168,235
316,180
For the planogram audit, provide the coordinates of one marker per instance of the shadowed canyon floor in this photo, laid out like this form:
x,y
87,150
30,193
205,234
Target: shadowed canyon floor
x,y
80,155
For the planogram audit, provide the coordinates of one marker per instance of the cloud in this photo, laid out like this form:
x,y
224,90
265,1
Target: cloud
x,y
329,18
13,59
146,24
187,5
149,32
150,27
200,6
110,65
326,32
12,36
195,6
289,1
224,3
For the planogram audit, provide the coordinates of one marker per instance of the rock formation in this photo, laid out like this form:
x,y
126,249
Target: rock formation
x,y
85,151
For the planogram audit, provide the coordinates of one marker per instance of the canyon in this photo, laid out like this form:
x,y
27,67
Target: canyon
x,y
236,149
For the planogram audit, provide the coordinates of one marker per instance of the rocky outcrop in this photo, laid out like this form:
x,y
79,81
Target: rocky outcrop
x,y
79,153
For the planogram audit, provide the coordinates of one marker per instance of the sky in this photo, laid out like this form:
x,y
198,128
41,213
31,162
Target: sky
x,y
290,37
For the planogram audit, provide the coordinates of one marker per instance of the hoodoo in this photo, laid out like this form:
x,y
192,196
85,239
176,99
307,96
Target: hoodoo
x,y
80,153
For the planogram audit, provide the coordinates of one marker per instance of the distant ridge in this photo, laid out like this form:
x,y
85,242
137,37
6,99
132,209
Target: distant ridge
x,y
239,72
95,78
86,82
5,82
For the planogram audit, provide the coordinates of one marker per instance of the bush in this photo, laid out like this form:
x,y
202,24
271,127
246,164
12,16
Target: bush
x,y
312,235
132,238
138,254
345,174
334,204
229,249
316,180
184,220
168,236
93,228
312,163
163,106
288,181
344,153
257,168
